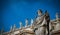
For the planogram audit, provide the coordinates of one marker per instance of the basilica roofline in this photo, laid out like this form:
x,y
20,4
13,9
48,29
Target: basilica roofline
x,y
30,28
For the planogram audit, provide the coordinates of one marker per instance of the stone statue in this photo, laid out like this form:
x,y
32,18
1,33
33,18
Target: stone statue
x,y
39,18
26,21
43,20
40,23
14,28
47,17
31,24
20,25
57,22
11,29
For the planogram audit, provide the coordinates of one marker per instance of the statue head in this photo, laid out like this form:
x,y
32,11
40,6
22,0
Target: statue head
x,y
46,13
39,12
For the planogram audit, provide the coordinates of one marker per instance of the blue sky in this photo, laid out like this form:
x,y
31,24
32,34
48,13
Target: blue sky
x,y
14,11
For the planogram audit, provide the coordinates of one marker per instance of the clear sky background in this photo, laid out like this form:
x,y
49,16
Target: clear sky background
x,y
14,11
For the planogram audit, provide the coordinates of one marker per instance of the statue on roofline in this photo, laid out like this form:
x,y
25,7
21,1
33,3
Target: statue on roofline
x,y
40,23
47,17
